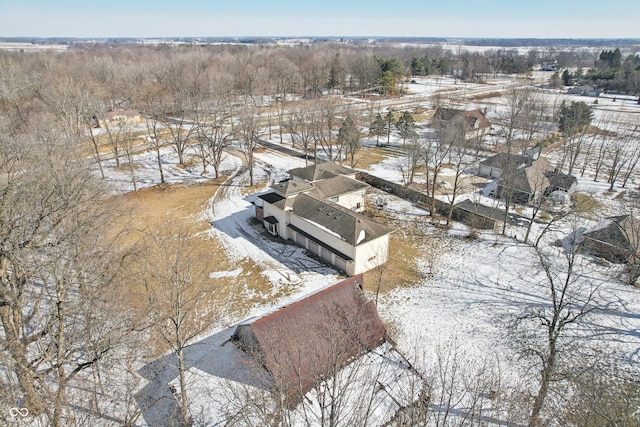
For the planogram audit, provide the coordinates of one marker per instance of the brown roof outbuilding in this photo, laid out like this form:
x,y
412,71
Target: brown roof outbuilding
x,y
312,338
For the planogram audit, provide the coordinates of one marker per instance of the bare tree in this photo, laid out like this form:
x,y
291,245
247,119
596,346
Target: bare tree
x,y
156,138
328,111
57,268
129,146
249,133
519,106
215,131
459,157
178,294
410,163
547,326
302,130
348,140
436,149
285,76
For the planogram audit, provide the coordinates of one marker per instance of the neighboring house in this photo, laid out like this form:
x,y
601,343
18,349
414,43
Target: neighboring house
x,y
524,185
287,357
474,122
322,217
495,165
116,118
614,238
561,182
585,90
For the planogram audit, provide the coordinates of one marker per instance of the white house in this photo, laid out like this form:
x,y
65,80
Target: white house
x,y
323,217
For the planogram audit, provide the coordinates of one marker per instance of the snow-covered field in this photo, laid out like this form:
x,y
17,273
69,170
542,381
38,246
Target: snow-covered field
x,y
470,299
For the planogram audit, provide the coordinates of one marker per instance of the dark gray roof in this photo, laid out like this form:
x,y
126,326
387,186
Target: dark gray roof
x,y
320,171
472,119
621,231
482,210
336,186
271,198
271,219
561,181
289,187
350,226
504,160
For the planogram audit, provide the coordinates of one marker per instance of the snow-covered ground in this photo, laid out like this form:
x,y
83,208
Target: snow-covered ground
x,y
472,296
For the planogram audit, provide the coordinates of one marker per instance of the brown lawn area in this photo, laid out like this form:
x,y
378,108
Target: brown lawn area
x,y
144,211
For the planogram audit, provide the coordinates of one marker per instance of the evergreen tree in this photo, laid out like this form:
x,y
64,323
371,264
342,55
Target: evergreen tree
x,y
555,81
336,73
574,116
389,122
406,126
378,128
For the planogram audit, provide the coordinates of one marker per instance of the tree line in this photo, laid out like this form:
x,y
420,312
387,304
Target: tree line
x,y
71,338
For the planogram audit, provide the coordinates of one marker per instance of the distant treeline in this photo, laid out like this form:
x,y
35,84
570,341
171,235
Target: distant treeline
x,y
498,42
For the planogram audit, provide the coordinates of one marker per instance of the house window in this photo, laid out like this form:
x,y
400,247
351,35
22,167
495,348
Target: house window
x,y
358,205
273,228
335,199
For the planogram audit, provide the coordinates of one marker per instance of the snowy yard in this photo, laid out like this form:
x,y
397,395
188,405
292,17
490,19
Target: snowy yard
x,y
469,299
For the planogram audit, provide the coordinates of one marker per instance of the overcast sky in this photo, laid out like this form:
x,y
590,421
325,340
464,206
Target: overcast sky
x,y
420,18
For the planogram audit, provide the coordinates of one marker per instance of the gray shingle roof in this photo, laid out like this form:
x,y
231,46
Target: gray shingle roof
x,y
320,171
352,227
290,187
336,186
504,160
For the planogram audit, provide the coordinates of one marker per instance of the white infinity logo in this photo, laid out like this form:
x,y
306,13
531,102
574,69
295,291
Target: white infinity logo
x,y
14,412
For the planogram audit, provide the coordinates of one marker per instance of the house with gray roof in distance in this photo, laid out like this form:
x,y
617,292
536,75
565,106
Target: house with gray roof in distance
x,y
584,90
526,184
323,217
615,239
474,122
495,165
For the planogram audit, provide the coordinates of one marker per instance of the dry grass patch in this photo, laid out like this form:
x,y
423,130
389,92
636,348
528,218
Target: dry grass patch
x,y
487,96
587,206
241,284
368,156
402,268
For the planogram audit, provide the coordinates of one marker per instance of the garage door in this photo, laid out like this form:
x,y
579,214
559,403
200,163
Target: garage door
x,y
327,256
314,248
302,241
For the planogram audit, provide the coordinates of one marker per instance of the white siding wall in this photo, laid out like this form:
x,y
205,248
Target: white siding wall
x,y
281,216
371,254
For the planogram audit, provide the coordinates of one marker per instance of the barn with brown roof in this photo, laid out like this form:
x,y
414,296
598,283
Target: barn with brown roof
x,y
313,338
327,348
